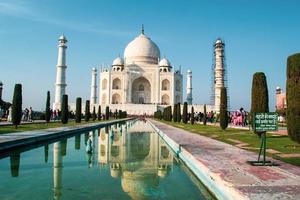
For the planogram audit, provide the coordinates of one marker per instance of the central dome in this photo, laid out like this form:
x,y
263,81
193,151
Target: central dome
x,y
142,49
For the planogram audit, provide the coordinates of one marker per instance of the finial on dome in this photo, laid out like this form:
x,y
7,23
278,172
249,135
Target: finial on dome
x,y
143,29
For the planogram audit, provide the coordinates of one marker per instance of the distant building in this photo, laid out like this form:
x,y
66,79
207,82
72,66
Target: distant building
x,y
280,99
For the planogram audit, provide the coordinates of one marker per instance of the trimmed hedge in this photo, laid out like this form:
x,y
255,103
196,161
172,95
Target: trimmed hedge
x,y
204,115
16,112
87,115
78,110
175,112
185,113
47,111
259,95
293,96
223,109
192,115
64,109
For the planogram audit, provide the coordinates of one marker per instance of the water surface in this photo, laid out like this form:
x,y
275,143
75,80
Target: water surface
x,y
123,161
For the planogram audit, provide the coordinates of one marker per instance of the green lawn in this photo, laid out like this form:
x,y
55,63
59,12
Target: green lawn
x,y
283,144
30,127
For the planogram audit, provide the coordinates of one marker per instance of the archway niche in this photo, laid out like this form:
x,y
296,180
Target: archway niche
x,y
178,85
116,99
165,84
165,99
104,99
117,84
141,91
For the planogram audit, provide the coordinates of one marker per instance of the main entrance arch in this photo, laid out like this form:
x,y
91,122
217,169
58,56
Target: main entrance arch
x,y
141,91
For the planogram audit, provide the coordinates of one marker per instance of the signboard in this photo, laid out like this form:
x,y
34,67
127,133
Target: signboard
x,y
265,121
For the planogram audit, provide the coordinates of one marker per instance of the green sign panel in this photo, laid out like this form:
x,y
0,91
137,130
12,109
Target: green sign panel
x,y
266,121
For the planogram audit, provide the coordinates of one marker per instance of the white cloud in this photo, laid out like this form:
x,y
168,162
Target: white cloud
x,y
28,12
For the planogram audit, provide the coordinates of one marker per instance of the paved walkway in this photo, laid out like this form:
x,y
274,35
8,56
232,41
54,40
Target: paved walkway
x,y
227,164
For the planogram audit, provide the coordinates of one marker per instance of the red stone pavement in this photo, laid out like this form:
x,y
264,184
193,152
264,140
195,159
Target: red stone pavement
x,y
229,164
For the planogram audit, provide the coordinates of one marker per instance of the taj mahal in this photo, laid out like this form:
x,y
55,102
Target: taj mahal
x,y
140,82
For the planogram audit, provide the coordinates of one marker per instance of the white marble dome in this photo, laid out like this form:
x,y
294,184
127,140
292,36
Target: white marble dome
x,y
164,63
142,49
118,62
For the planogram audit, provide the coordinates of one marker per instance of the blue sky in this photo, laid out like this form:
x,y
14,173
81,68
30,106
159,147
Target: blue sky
x,y
259,35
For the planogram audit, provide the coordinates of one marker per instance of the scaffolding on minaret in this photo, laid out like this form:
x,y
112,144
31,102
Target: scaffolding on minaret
x,y
219,43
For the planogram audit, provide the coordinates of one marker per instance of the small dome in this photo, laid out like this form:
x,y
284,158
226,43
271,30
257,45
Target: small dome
x,y
219,41
278,88
63,37
142,49
118,62
164,63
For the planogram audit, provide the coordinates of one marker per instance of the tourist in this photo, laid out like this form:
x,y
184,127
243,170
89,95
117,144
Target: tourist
x,y
30,114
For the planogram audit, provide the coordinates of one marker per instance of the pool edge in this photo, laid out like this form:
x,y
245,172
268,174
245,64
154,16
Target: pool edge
x,y
212,182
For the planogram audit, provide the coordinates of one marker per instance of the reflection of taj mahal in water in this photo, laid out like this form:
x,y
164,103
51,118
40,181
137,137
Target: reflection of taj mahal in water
x,y
138,158
140,82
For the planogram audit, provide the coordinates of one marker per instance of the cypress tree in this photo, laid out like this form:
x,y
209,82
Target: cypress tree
x,y
178,112
204,115
223,109
192,115
78,110
184,113
64,109
293,96
175,112
94,116
107,113
47,111
99,113
259,95
87,111
16,112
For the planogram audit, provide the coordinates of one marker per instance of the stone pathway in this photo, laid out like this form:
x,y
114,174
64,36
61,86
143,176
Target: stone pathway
x,y
228,164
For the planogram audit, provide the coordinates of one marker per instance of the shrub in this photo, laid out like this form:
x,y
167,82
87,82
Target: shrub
x,y
87,111
64,109
175,112
107,112
78,110
192,115
204,115
184,113
99,113
223,109
16,112
293,96
178,112
47,111
94,116
167,114
259,95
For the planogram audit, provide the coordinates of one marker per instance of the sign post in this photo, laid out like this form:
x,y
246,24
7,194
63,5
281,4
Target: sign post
x,y
263,122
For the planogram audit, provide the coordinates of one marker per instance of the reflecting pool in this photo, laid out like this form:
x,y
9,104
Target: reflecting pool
x,y
123,161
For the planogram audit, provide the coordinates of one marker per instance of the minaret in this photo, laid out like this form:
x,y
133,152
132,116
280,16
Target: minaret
x,y
189,94
94,86
219,80
60,84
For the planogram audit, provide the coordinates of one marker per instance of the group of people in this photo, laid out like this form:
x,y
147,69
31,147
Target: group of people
x,y
27,115
199,117
239,117
235,118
